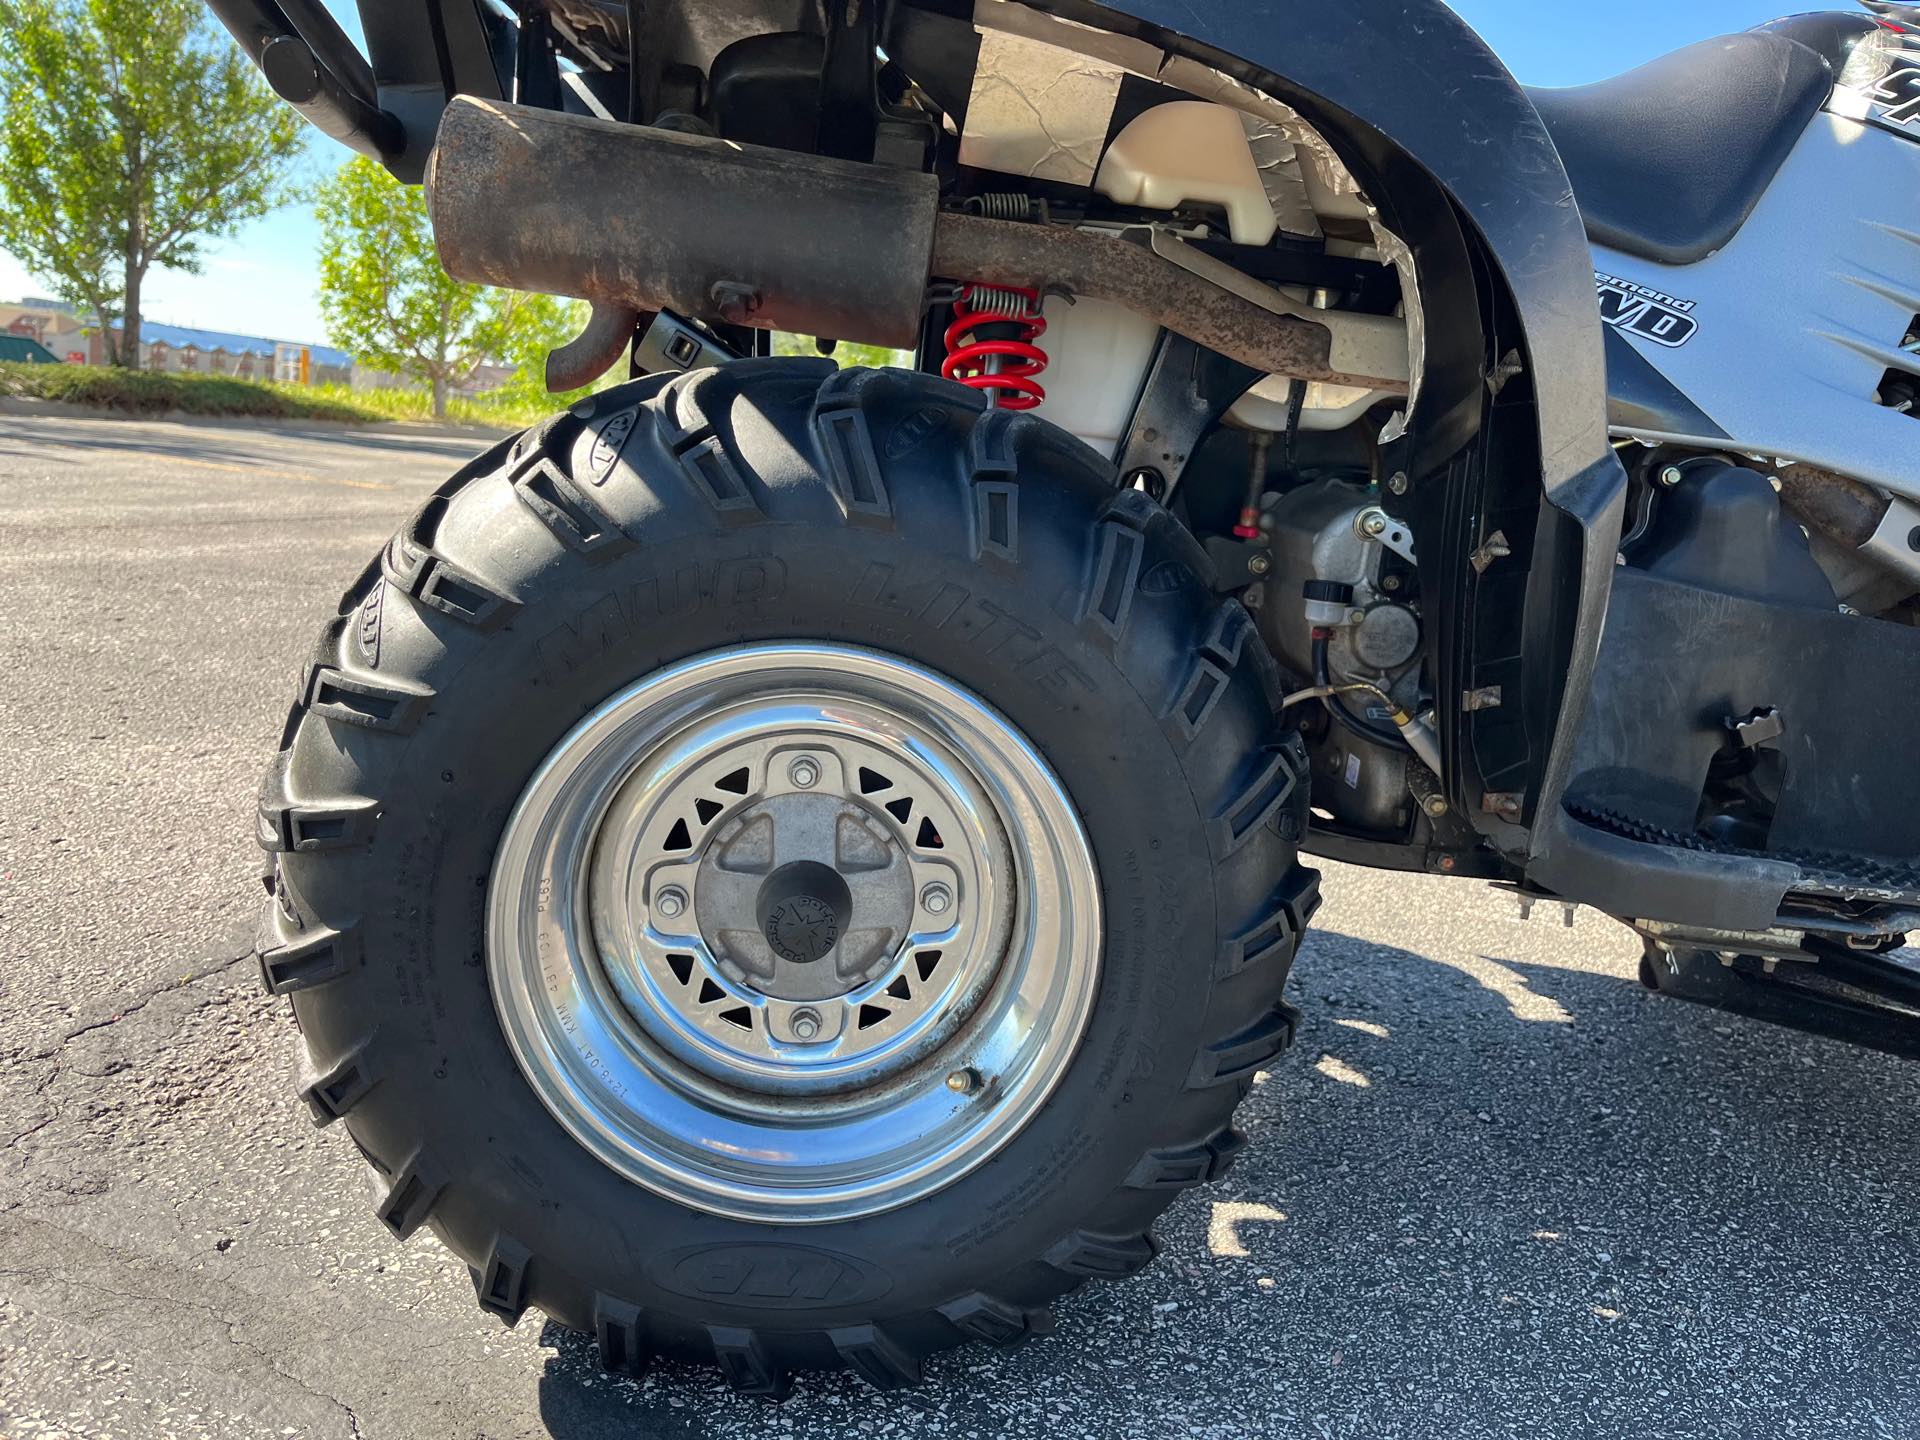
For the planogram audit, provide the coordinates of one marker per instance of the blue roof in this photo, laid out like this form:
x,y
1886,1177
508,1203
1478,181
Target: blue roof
x,y
179,337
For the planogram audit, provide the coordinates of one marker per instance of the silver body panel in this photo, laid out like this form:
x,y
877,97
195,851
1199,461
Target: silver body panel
x,y
1803,312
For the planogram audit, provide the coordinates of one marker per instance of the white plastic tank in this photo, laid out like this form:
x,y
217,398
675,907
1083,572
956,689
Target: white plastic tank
x,y
1097,357
1189,152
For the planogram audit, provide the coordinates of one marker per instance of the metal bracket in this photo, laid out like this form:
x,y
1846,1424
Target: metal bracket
x,y
1239,563
1188,389
1761,727
1487,697
1373,523
1861,1000
1510,365
671,343
1509,805
1525,900
1895,542
1494,548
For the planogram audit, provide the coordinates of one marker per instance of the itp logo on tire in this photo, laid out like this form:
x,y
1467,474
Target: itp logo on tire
x,y
367,631
771,1276
1644,312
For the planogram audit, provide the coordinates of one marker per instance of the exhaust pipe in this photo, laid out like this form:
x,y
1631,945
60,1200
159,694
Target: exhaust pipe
x,y
1882,529
648,219
635,218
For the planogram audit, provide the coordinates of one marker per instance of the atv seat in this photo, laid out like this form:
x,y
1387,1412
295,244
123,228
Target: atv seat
x,y
1668,160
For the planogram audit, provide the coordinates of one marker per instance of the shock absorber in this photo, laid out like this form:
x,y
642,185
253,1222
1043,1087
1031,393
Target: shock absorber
x,y
991,344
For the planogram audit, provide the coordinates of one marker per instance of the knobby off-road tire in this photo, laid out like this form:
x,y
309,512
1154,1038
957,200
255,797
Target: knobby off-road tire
x,y
766,501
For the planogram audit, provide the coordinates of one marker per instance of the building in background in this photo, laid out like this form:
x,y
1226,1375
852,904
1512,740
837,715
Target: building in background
x,y
76,339
247,357
55,325
176,348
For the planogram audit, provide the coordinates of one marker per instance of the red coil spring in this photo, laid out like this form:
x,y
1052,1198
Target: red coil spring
x,y
1004,369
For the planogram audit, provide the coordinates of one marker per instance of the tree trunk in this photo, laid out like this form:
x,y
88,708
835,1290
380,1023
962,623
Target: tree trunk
x,y
109,337
440,367
130,319
134,142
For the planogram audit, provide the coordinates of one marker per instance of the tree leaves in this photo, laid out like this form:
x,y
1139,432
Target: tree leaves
x,y
386,298
132,132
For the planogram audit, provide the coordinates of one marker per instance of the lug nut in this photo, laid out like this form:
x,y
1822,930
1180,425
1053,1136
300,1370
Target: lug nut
x,y
671,902
936,898
806,1024
964,1082
804,773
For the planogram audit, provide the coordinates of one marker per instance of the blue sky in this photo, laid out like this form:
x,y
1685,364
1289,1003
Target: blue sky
x,y
261,281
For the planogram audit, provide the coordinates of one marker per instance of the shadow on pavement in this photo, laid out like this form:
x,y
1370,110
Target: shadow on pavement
x,y
1527,1195
228,442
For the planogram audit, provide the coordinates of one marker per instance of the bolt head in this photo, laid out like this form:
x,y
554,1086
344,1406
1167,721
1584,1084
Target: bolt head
x,y
1436,805
805,1024
1671,475
1148,480
1259,563
671,902
936,898
804,773
1373,522
1397,483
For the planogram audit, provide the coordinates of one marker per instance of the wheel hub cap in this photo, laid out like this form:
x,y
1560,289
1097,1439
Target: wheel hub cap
x,y
754,913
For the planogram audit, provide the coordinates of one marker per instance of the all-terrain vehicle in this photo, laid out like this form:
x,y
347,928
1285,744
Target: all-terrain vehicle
x,y
793,867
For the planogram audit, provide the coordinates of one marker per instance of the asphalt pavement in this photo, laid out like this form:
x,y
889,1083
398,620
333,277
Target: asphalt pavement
x,y
1497,1189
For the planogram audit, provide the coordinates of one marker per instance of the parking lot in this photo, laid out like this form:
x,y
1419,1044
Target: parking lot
x,y
1497,1189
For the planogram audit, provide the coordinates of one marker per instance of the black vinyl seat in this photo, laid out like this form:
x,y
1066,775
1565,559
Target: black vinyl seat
x,y
1668,160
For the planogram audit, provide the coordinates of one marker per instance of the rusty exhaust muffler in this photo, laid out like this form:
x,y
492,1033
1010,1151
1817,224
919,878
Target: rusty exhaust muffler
x,y
653,219
635,218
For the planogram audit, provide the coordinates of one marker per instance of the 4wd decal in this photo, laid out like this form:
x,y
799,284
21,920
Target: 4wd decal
x,y
1897,97
1642,311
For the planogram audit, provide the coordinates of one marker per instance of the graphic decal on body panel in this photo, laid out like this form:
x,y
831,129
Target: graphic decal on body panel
x,y
1643,311
1897,97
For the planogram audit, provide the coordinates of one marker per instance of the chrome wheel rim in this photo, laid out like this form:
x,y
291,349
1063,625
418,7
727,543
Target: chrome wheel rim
x,y
793,932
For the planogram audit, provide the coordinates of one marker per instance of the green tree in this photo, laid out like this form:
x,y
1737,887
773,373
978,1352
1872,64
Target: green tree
x,y
542,323
386,298
846,353
131,133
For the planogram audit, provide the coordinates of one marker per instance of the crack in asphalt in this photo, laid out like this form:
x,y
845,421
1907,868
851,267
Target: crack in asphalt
x,y
230,1326
210,970
33,1129
141,1001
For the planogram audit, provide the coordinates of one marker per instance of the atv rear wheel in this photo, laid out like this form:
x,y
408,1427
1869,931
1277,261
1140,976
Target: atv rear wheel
x,y
787,868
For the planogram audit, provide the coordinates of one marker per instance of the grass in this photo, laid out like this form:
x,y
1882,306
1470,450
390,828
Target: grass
x,y
501,411
145,392
139,392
